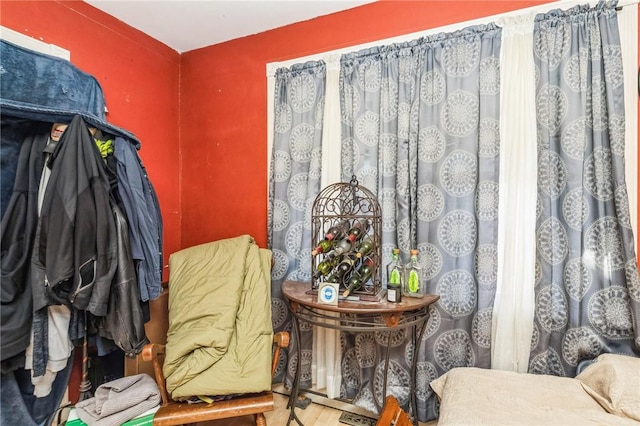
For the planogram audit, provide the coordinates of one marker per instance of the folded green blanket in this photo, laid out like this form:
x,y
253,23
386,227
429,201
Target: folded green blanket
x,y
220,335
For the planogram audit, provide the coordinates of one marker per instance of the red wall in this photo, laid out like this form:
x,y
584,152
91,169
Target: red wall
x,y
139,77
224,105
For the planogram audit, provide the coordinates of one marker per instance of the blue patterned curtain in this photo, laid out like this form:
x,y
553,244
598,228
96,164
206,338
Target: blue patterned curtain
x,y
587,287
294,183
420,128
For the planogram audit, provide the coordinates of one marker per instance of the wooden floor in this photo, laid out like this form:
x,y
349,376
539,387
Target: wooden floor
x,y
314,415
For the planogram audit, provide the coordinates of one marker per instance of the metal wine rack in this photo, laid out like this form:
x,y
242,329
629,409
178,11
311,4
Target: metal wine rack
x,y
348,201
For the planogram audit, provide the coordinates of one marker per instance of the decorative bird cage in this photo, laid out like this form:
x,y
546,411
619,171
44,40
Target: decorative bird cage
x,y
347,206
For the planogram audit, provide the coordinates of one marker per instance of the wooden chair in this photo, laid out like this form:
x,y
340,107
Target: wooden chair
x,y
393,415
178,412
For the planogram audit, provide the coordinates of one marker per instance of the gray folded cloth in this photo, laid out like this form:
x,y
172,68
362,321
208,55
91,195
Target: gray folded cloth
x,y
119,400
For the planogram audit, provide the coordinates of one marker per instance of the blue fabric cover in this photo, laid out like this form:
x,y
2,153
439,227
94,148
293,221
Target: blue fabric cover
x,y
40,87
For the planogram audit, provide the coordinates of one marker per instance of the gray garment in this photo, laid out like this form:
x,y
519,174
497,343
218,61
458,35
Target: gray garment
x,y
119,401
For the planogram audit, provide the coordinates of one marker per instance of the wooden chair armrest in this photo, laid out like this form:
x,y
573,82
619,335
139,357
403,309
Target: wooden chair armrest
x,y
152,353
281,340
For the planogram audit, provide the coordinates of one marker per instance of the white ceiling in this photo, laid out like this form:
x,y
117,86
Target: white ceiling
x,y
190,24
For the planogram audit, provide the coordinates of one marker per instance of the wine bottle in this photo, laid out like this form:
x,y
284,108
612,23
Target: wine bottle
x,y
414,277
323,246
345,245
359,229
362,226
364,247
395,272
345,265
333,278
335,232
325,267
360,277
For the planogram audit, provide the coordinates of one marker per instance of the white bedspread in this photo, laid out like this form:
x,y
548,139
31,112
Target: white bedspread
x,y
474,396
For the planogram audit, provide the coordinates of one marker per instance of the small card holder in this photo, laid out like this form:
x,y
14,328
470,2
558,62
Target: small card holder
x,y
328,293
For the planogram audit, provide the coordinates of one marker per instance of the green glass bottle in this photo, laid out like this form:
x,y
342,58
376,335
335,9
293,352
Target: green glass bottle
x,y
395,278
360,277
325,267
338,231
414,285
323,247
345,265
359,229
364,248
332,278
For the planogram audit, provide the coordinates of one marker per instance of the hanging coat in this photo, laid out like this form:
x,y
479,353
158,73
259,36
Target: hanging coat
x,y
18,229
145,220
77,244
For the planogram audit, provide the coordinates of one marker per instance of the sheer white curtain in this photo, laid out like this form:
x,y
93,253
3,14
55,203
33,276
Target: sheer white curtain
x,y
628,27
325,365
512,321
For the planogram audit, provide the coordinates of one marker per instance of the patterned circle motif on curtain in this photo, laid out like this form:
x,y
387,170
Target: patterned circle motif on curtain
x,y
420,130
294,182
587,288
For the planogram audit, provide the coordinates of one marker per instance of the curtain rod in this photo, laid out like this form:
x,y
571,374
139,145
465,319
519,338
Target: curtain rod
x,y
334,55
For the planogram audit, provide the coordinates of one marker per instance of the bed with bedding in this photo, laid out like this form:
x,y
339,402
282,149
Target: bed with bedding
x,y
607,392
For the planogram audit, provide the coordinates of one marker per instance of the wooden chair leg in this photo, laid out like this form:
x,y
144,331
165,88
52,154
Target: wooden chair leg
x,y
261,420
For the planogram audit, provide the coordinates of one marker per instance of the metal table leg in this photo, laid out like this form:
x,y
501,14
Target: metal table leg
x,y
414,365
291,404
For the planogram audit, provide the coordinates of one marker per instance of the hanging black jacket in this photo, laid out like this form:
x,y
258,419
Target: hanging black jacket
x,y
77,244
124,323
18,229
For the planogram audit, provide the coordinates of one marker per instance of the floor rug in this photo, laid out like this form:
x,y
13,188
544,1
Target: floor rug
x,y
356,419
